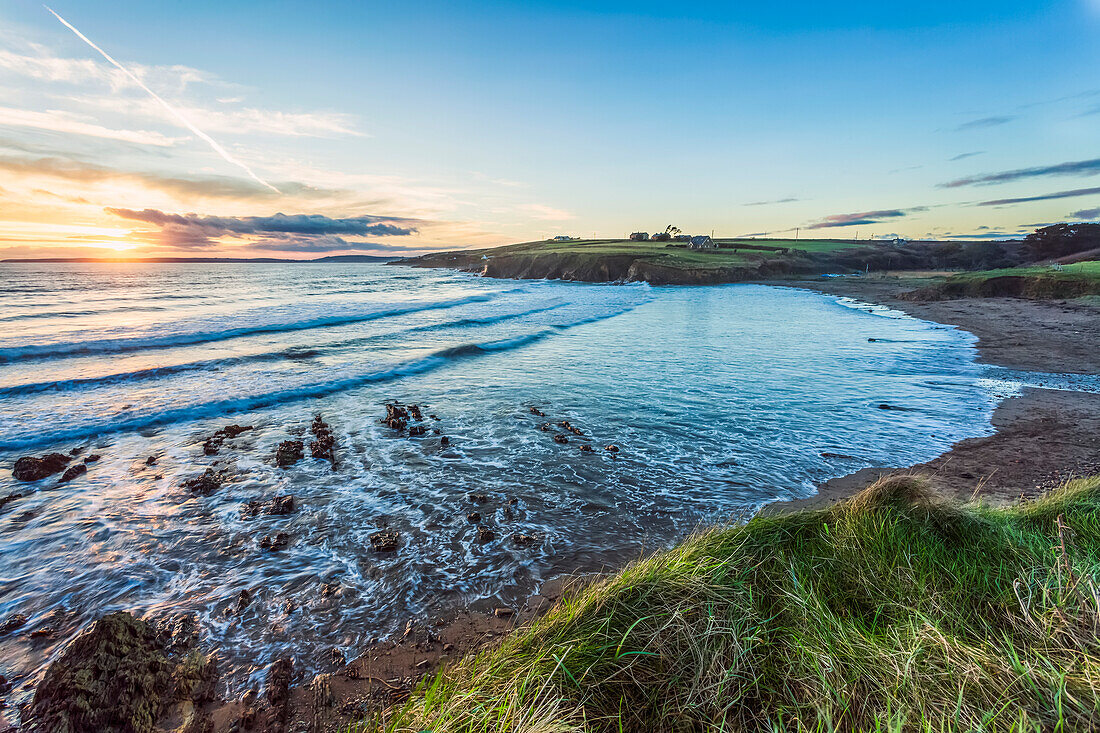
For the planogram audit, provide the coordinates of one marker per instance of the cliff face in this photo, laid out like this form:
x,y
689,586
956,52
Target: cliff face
x,y
584,267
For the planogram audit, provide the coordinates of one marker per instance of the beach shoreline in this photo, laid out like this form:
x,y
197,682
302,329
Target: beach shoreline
x,y
1042,437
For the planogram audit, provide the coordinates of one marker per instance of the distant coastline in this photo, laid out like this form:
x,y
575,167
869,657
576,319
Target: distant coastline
x,y
205,260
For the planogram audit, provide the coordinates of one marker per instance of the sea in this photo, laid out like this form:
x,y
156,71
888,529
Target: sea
x,y
686,406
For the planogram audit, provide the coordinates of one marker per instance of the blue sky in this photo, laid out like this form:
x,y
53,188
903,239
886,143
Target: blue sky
x,y
399,127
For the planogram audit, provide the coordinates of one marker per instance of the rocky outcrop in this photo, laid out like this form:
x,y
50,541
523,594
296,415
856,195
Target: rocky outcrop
x,y
120,675
30,468
289,452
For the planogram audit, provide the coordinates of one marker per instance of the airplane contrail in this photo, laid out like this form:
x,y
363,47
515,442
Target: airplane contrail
x,y
171,110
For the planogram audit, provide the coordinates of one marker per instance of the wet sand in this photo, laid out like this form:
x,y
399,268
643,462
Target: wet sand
x,y
1043,437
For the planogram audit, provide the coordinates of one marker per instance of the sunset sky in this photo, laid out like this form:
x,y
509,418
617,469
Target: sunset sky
x,y
301,129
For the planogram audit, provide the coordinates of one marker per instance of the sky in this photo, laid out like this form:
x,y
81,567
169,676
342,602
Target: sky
x,y
303,129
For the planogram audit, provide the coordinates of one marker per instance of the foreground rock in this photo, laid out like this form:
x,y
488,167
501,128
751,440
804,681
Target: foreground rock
x,y
29,468
120,675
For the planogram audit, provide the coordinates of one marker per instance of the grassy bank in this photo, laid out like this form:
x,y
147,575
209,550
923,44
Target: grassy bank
x,y
895,610
1069,281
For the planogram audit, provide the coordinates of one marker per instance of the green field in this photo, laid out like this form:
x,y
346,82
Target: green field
x,y
896,610
1089,269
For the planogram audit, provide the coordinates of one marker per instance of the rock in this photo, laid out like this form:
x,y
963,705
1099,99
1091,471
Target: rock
x,y
434,417
324,444
414,411
612,449
546,427
477,497
251,509
330,589
289,452
384,541
117,676
827,454
277,688
444,441
537,412
484,534
524,540
559,438
72,472
503,612
76,451
206,484
214,443
277,543
5,685
416,431
92,458
5,500
538,603
281,505
11,623
474,517
243,599
338,658
586,448
396,417
575,430
29,468
44,632
150,461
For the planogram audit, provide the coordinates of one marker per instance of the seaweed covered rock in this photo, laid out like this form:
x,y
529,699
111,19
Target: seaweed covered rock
x,y
117,676
30,468
324,442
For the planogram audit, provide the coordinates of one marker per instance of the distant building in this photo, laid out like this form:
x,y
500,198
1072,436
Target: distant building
x,y
682,238
563,238
661,237
701,242
639,237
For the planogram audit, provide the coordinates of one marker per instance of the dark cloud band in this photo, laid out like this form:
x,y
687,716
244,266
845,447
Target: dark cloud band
x,y
1071,168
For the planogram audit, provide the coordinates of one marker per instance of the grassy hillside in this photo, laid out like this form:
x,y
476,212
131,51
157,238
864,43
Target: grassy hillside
x,y
735,260
895,610
1078,279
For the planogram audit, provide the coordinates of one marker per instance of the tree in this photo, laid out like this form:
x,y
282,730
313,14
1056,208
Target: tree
x,y
1059,240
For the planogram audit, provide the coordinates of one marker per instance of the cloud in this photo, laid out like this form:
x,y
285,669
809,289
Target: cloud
x,y
293,232
1071,168
58,121
211,186
964,156
860,217
774,201
1044,197
1086,214
985,122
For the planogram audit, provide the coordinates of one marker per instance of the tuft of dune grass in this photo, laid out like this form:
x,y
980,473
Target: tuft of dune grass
x,y
896,610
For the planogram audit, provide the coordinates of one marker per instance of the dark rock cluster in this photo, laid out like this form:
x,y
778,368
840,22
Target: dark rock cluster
x,y
214,443
323,444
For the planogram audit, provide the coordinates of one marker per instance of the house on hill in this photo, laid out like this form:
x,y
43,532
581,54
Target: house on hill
x,y
701,241
639,237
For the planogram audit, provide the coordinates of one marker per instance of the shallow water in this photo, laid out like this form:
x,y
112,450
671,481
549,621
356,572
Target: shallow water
x,y
720,399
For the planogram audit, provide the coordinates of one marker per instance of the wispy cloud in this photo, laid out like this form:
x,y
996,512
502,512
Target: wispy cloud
x,y
964,156
59,121
984,122
859,218
297,232
1043,197
1087,214
773,201
1071,168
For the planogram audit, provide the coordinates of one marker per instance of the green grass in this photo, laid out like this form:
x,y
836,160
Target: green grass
x,y
893,611
1089,269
